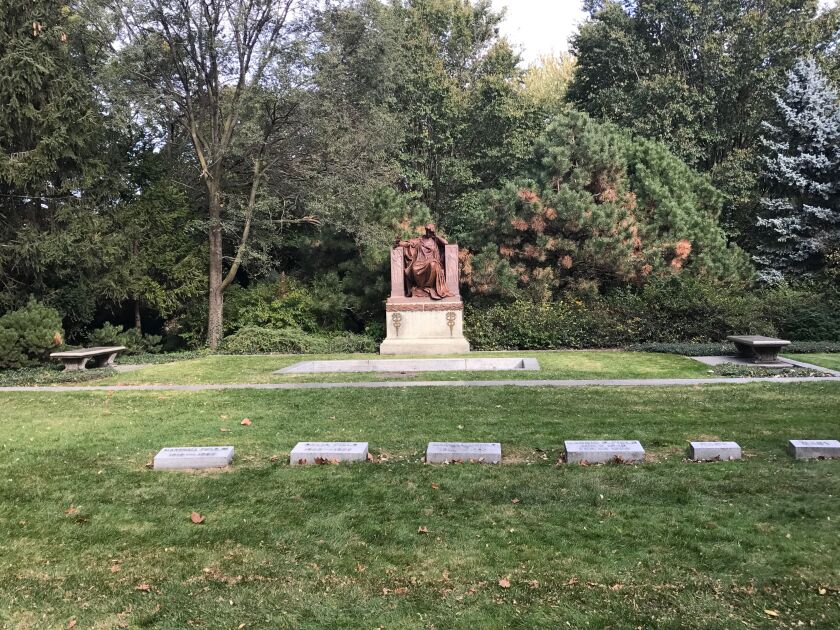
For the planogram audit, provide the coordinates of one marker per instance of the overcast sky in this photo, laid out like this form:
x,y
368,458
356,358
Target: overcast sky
x,y
540,26
544,26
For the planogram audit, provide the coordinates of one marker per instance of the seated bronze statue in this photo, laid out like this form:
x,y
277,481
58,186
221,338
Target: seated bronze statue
x,y
424,268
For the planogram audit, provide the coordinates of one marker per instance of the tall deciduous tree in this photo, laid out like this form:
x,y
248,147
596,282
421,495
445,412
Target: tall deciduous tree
x,y
202,62
547,80
801,212
467,122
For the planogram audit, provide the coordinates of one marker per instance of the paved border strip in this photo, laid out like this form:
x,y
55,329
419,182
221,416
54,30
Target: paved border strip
x,y
651,382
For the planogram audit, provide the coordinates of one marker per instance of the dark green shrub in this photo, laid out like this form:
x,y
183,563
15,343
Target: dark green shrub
x,y
256,340
681,309
528,326
806,313
812,347
667,313
723,349
281,304
134,341
29,334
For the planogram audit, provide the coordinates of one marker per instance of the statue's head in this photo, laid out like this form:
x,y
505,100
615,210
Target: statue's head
x,y
430,229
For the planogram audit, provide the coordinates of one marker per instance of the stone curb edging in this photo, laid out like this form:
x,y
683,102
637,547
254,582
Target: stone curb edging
x,y
672,382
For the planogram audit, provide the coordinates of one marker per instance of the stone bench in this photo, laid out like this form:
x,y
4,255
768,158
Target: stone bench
x,y
76,359
759,349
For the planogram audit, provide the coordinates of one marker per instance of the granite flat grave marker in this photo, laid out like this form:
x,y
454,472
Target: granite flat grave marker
x,y
814,449
193,457
328,453
708,451
478,452
603,451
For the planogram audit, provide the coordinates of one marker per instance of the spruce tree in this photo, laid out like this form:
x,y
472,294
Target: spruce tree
x,y
801,210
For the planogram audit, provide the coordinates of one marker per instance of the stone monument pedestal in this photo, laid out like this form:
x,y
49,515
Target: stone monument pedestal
x,y
424,326
421,325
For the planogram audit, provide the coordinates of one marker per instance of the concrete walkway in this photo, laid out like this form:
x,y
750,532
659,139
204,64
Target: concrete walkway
x,y
652,382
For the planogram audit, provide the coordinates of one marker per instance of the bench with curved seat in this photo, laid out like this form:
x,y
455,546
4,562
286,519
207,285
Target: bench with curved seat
x,y
77,359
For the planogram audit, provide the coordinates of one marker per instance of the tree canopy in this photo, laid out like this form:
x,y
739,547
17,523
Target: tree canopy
x,y
158,155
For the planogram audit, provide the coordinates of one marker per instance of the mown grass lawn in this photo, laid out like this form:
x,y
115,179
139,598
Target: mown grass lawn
x,y
595,364
83,522
824,359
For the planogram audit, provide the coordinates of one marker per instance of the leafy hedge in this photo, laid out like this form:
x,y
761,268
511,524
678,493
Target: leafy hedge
x,y
675,311
255,340
723,349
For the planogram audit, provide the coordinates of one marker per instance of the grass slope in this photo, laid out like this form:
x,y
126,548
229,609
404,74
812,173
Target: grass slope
x,y
824,359
668,544
554,365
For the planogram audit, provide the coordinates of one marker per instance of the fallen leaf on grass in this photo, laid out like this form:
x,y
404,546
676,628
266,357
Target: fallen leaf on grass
x,y
369,457
71,623
422,530
504,583
534,584
515,501
274,458
402,590
822,591
196,518
143,587
616,587
435,486
771,613
115,568
71,510
150,464
225,430
246,422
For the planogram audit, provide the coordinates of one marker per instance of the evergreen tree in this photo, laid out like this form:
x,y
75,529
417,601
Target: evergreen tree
x,y
53,156
595,209
699,76
801,211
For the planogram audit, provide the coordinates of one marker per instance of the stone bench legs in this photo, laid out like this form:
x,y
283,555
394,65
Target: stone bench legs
x,y
759,354
73,365
105,360
76,364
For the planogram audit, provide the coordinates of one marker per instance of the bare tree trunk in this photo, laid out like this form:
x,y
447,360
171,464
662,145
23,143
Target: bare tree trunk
x,y
215,296
138,323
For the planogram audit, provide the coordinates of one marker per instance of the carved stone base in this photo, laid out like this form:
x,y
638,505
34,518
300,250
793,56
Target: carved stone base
x,y
424,327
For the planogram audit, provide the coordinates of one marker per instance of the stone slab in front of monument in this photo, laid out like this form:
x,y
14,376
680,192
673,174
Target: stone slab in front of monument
x,y
711,451
189,457
328,453
603,451
814,449
469,452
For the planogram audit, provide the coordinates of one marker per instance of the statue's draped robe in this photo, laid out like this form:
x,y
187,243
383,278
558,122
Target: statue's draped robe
x,y
424,269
